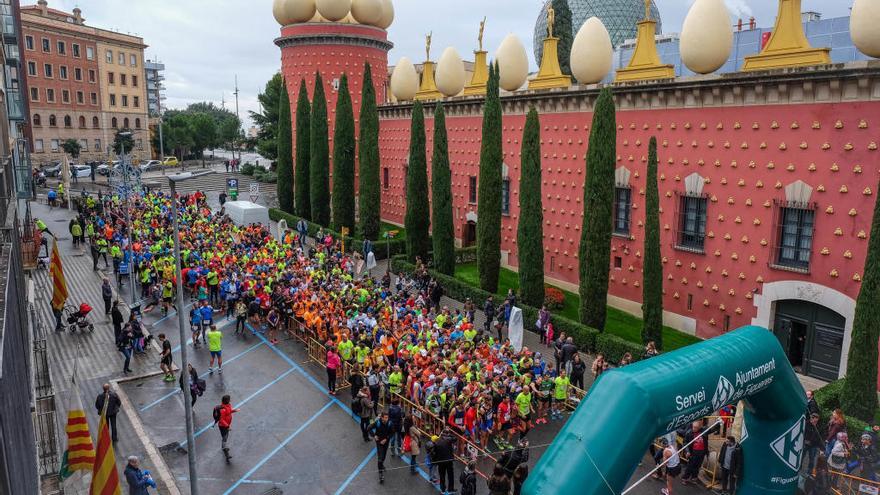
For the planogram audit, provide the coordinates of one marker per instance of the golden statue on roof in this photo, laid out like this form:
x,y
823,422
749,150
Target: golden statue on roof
x,y
551,18
428,45
480,37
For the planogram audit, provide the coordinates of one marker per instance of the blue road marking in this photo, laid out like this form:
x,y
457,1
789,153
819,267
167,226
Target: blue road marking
x,y
228,361
245,401
323,390
280,446
356,471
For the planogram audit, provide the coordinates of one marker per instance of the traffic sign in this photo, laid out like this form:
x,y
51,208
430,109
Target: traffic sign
x,y
231,186
254,192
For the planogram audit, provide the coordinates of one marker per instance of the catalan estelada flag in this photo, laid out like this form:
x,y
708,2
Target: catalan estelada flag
x,y
105,477
80,453
59,283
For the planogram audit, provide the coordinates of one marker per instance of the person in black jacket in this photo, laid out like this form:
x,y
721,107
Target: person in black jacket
x,y
381,431
117,319
444,458
813,442
697,451
511,459
113,404
578,368
468,479
356,379
489,309
195,384
731,460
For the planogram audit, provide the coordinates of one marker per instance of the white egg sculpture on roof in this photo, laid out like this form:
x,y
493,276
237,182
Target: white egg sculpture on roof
x,y
864,26
387,16
592,53
513,63
366,11
706,36
404,80
291,11
317,18
333,10
450,74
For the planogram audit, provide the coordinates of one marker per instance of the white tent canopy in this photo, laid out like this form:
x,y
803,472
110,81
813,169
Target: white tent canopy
x,y
245,213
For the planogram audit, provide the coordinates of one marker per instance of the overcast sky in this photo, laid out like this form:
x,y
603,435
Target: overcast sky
x,y
205,43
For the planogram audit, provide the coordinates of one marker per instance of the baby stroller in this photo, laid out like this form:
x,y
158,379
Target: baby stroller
x,y
77,317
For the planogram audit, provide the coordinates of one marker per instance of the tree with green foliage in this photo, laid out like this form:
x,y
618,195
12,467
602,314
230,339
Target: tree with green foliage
x,y
859,395
595,247
442,226
652,272
489,188
178,137
319,157
370,204
530,230
285,153
72,147
123,140
204,133
562,29
343,161
417,219
229,131
266,120
301,202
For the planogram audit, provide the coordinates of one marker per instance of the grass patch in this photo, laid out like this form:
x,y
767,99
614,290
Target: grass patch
x,y
619,323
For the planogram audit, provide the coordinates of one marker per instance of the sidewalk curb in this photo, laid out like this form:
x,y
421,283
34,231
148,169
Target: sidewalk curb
x,y
159,465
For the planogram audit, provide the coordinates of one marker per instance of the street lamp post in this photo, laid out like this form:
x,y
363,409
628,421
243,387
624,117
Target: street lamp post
x,y
181,321
126,177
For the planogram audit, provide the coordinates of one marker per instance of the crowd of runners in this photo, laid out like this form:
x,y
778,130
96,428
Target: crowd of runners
x,y
392,342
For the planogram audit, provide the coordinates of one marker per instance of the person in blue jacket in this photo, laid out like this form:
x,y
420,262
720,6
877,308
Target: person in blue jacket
x,y
139,481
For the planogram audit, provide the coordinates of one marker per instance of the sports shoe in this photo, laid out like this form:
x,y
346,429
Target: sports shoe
x,y
210,371
220,370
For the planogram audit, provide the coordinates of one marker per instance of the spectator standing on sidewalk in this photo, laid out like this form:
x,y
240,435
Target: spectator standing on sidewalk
x,y
139,481
333,364
362,406
111,400
117,319
191,379
489,309
107,295
223,420
568,352
731,460
125,344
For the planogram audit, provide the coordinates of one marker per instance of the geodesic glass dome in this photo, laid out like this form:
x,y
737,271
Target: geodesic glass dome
x,y
619,16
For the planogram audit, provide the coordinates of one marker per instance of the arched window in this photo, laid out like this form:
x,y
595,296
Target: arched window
x,y
114,123
68,122
125,123
52,120
137,123
37,120
82,121
95,122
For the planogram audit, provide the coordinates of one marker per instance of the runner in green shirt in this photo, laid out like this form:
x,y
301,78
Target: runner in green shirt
x,y
345,348
215,345
560,394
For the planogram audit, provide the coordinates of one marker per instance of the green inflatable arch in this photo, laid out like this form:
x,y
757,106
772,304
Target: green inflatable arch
x,y
599,448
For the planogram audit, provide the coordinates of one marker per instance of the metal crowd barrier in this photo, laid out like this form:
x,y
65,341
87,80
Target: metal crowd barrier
x,y
847,484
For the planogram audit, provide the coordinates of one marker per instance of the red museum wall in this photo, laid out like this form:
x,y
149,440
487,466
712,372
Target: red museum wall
x,y
747,154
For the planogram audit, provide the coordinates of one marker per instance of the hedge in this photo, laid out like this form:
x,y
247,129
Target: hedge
x,y
828,399
381,248
587,339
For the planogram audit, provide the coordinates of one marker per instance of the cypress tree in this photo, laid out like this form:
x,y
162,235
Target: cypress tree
x,y
370,206
285,152
343,161
530,230
319,158
652,285
442,227
417,209
562,29
302,205
595,247
489,189
859,395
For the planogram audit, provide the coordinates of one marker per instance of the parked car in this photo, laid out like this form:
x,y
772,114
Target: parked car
x,y
170,161
151,165
52,170
80,171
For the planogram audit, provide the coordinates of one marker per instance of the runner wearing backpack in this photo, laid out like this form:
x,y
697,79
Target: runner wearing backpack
x,y
223,418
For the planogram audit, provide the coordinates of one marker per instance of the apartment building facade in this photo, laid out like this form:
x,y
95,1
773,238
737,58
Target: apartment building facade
x,y
84,83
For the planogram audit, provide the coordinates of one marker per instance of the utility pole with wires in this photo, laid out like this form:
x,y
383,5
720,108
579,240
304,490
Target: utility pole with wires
x,y
237,131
